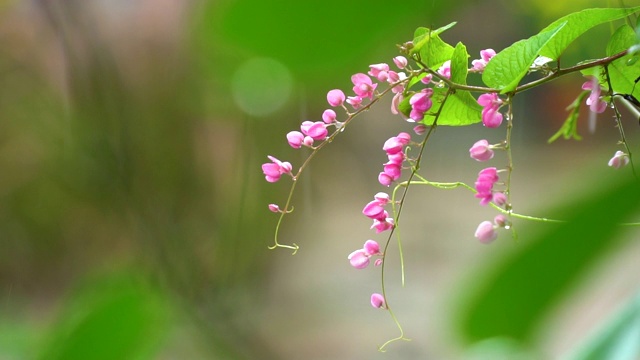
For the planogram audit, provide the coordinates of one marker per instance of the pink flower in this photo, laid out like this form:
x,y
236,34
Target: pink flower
x,y
394,77
377,301
379,71
354,101
395,103
404,137
363,86
373,209
371,248
383,179
426,79
329,116
295,139
382,198
400,61
485,56
274,208
275,169
393,145
486,232
383,224
484,185
445,69
481,151
335,97
491,118
397,158
619,160
596,105
316,130
360,258
420,104
393,170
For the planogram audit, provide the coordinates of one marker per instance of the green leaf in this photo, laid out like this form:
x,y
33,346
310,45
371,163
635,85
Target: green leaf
x,y
622,75
577,24
618,340
459,64
570,127
461,108
432,50
120,318
511,299
509,66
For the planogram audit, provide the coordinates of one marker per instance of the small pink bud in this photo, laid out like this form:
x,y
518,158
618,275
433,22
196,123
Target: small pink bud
x,y
400,61
307,141
499,198
335,97
420,129
481,151
377,301
329,116
359,259
274,208
426,79
486,232
371,248
619,160
500,220
295,139
378,262
384,179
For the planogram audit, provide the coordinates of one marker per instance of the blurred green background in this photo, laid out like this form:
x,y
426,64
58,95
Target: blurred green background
x,y
133,212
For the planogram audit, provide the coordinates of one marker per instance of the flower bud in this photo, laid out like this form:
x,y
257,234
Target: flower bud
x,y
335,97
377,301
485,232
329,116
295,139
481,151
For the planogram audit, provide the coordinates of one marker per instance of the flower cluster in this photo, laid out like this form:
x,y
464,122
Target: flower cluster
x,y
360,258
375,210
596,104
394,147
275,169
486,231
480,64
490,103
313,131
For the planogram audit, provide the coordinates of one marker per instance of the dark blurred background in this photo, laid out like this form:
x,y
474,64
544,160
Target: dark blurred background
x,y
131,140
